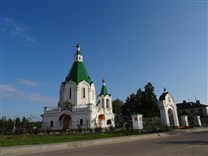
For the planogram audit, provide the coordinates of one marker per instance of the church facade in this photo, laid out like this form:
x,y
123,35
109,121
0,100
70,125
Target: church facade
x,y
78,106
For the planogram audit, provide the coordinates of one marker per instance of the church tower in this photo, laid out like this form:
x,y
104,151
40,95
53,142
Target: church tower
x,y
78,89
105,99
105,108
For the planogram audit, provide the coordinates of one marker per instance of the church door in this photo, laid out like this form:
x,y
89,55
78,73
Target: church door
x,y
101,119
66,121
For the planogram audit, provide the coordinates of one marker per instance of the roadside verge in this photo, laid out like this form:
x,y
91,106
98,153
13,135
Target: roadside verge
x,y
27,149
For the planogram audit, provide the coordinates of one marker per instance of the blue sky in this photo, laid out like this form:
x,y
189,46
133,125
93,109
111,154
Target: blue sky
x,y
128,43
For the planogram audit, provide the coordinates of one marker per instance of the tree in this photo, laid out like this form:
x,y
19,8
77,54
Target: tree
x,y
18,122
3,121
133,105
150,102
25,123
9,124
117,110
143,102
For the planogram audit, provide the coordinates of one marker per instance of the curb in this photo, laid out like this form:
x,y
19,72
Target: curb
x,y
29,149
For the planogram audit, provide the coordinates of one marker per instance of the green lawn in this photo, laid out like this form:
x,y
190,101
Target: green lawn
x,y
16,140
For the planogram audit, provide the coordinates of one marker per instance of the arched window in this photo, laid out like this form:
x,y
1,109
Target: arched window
x,y
81,122
107,103
70,93
51,124
102,103
109,122
83,92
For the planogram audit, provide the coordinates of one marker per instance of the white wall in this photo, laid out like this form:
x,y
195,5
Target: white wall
x,y
165,105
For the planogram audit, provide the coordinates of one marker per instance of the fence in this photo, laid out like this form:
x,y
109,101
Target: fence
x,y
149,124
84,124
192,121
152,123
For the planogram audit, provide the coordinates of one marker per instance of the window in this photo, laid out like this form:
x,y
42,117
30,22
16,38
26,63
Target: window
x,y
70,93
83,92
81,122
107,103
103,103
109,122
51,125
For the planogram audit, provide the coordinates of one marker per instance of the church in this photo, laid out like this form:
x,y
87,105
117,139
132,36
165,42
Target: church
x,y
78,105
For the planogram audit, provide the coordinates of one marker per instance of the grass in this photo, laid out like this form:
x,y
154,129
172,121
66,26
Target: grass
x,y
26,139
17,140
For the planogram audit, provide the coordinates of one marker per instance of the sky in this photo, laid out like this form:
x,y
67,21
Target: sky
x,y
127,43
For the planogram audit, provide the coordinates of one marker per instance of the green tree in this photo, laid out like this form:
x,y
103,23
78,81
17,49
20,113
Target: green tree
x,y
3,121
18,122
150,102
133,105
117,110
26,123
143,102
9,124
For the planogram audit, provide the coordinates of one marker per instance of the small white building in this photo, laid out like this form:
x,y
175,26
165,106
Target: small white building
x,y
77,106
168,110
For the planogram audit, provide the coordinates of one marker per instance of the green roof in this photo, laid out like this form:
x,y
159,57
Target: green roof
x,y
104,91
78,73
162,97
78,53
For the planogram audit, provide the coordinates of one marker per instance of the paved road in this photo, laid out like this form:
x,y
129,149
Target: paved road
x,y
191,144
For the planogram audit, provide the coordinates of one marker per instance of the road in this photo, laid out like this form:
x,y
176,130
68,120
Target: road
x,y
191,144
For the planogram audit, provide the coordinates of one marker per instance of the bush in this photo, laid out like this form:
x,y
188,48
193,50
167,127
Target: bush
x,y
98,129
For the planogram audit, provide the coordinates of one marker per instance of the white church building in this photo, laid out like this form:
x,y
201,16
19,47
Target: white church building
x,y
78,106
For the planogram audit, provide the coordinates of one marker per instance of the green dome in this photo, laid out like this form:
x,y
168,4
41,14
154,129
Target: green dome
x,y
78,71
104,90
162,97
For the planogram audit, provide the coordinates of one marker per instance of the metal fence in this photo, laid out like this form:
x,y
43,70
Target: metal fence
x,y
152,123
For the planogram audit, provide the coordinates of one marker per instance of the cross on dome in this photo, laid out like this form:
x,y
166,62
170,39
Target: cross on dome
x,y
103,81
164,89
78,47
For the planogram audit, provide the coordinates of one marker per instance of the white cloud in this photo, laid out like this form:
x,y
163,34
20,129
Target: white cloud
x,y
27,82
40,98
10,92
30,83
17,30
